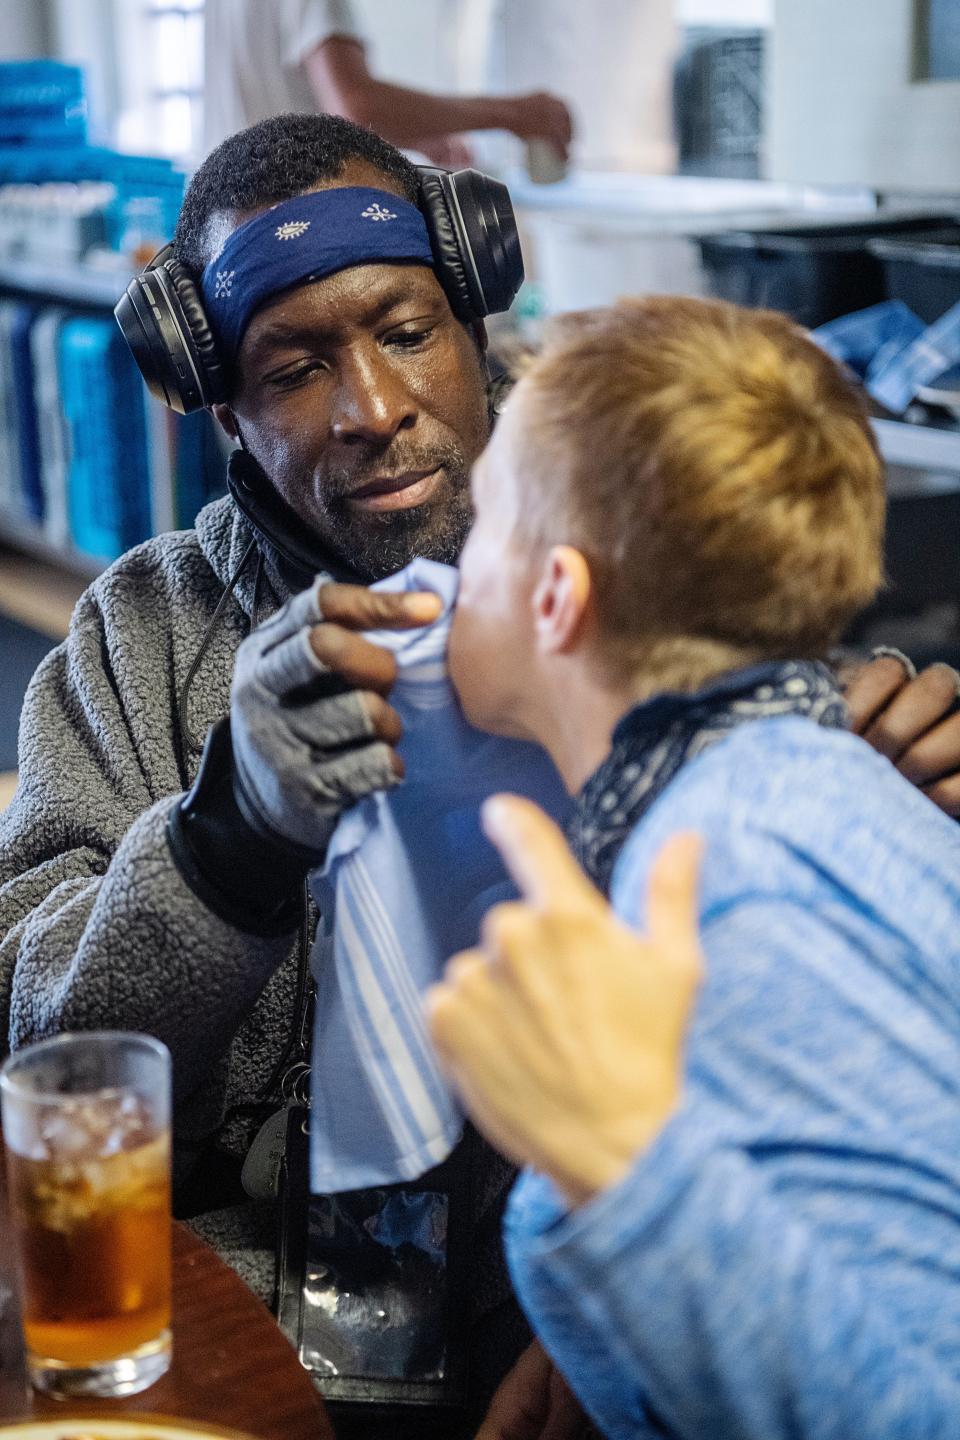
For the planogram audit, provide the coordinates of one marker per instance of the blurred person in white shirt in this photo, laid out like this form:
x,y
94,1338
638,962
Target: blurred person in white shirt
x,y
309,55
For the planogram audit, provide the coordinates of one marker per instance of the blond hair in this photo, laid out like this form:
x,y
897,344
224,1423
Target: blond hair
x,y
717,470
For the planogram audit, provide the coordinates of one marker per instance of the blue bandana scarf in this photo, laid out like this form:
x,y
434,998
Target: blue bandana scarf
x,y
301,240
653,741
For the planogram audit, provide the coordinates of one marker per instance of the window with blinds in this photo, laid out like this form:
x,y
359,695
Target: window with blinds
x,y
174,34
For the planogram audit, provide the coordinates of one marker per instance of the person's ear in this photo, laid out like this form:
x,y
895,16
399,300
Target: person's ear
x,y
561,599
225,418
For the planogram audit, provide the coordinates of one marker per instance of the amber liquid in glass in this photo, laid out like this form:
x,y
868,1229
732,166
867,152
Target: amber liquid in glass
x,y
94,1243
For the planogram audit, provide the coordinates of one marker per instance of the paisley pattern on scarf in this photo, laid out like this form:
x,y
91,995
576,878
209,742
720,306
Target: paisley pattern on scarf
x,y
657,737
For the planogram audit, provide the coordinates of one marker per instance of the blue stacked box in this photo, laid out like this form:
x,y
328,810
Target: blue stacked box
x,y
51,429
43,133
28,435
11,491
108,480
138,178
29,164
135,177
77,456
42,102
80,455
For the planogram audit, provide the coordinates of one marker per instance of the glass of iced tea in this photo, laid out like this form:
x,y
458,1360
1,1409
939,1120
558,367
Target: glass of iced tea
x,y
86,1126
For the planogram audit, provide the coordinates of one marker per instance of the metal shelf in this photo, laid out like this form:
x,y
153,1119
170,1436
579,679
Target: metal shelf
x,y
72,284
99,288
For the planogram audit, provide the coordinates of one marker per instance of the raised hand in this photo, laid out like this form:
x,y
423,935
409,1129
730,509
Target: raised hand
x,y
913,721
564,1029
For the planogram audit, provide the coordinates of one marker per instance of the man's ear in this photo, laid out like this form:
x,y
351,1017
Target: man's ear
x,y
227,421
561,600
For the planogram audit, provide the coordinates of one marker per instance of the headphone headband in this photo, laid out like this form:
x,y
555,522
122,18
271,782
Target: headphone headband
x,y
476,257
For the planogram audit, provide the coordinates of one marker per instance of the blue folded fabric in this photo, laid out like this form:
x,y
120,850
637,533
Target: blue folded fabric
x,y
407,880
892,350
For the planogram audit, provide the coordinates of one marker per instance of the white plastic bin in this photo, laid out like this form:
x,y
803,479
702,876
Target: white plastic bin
x,y
595,236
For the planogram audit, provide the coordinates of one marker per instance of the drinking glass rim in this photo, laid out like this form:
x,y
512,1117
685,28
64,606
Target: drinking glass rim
x,y
11,1086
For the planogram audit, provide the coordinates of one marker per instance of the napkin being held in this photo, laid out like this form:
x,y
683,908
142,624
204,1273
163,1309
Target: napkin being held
x,y
407,879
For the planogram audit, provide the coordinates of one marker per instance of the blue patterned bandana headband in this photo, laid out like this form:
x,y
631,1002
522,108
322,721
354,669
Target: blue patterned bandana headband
x,y
305,239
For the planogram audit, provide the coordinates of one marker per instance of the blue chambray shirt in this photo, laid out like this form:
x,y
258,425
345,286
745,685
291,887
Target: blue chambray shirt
x,y
784,1261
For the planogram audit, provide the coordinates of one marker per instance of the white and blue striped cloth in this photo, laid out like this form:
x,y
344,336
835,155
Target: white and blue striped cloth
x,y
407,879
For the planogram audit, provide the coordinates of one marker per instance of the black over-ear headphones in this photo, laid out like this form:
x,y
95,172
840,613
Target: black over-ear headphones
x,y
477,259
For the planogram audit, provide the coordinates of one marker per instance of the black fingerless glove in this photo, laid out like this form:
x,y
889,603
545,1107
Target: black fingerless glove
x,y
245,874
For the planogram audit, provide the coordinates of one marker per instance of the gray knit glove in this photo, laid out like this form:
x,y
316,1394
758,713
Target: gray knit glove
x,y
303,741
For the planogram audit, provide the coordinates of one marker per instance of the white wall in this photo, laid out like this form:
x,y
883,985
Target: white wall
x,y
411,42
610,58
844,106
23,29
724,12
83,33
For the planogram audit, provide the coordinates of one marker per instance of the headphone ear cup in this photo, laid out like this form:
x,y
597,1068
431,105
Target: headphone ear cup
x,y
446,241
492,236
163,322
476,245
198,328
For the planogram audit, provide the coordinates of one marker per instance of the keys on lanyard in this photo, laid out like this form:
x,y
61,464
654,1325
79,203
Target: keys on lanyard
x,y
260,1176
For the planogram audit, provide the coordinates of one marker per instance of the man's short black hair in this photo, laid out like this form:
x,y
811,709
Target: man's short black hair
x,y
275,160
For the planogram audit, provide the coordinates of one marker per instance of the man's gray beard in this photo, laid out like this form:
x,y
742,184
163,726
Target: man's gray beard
x,y
376,546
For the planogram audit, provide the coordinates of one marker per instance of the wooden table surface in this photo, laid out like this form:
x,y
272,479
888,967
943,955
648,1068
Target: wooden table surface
x,y
231,1364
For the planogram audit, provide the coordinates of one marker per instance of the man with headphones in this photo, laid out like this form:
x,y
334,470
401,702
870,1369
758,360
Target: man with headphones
x,y
325,299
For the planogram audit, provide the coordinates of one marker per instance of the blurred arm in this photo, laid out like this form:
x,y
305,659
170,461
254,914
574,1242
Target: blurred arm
x,y
343,85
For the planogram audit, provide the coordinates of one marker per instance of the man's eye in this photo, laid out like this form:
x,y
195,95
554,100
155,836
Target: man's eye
x,y
409,339
287,379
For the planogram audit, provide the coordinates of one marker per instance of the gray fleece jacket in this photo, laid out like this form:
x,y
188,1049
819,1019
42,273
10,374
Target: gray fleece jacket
x,y
97,927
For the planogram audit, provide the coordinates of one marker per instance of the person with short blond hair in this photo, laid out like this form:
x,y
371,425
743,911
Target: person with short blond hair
x,y
680,510
780,476
779,482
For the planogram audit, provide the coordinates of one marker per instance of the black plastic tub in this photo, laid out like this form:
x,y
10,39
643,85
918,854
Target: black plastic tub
x,y
925,274
814,272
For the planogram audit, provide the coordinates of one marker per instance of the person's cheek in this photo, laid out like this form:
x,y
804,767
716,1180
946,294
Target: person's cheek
x,y
460,658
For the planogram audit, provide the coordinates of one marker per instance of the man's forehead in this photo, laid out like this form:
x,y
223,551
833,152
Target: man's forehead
x,y
222,223
360,295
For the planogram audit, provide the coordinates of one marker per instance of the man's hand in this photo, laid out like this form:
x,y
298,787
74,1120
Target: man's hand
x,y
453,152
542,116
914,722
564,1030
311,727
534,1402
